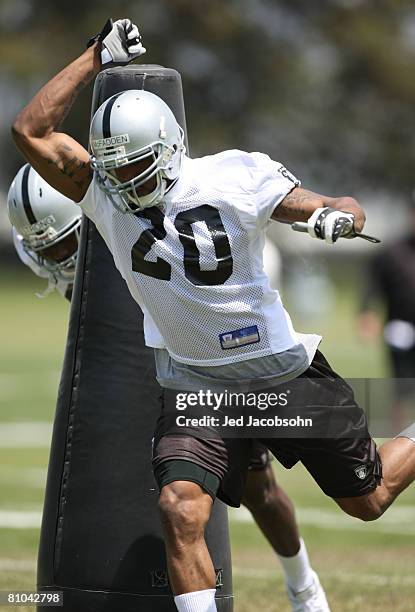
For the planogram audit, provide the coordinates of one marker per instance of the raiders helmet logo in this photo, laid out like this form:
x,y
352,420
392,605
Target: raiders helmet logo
x,y
361,472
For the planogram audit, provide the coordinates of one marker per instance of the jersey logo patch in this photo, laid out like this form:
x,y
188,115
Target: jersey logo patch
x,y
239,337
361,472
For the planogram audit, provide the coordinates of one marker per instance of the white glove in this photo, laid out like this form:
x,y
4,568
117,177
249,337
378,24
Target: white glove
x,y
121,43
329,224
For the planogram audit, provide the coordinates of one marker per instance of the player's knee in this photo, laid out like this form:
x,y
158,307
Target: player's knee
x,y
184,510
368,513
364,508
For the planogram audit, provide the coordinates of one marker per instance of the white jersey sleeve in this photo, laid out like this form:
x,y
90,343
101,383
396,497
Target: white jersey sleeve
x,y
271,183
256,183
91,200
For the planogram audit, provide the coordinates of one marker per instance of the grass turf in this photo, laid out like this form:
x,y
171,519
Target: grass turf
x,y
362,568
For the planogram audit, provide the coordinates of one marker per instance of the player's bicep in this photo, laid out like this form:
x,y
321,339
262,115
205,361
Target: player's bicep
x,y
61,161
298,205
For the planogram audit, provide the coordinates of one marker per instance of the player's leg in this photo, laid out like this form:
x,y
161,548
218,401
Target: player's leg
x,y
362,479
270,506
346,464
274,513
398,472
185,503
185,510
190,472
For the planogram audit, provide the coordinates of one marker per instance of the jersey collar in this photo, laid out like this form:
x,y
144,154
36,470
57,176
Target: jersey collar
x,y
179,185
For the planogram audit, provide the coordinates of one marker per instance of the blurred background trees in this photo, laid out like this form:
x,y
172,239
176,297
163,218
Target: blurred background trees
x,y
325,87
328,88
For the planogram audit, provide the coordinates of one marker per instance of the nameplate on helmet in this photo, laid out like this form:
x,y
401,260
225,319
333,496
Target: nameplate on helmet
x,y
39,226
111,141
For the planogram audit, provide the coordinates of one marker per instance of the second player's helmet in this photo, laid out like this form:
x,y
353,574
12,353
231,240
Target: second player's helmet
x,y
47,221
136,127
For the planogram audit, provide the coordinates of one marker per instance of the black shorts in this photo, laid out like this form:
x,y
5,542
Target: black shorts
x,y
343,466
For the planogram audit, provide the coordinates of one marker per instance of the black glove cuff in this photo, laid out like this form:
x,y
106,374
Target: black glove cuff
x,y
338,228
101,35
318,225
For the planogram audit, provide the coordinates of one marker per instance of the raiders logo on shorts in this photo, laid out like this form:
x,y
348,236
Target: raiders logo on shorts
x,y
361,472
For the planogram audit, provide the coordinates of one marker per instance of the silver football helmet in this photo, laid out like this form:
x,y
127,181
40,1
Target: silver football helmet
x,y
47,221
136,127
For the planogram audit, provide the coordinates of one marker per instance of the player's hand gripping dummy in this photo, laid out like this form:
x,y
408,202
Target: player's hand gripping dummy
x,y
330,224
120,43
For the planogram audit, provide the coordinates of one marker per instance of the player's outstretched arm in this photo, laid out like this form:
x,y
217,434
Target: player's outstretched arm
x,y
57,157
300,204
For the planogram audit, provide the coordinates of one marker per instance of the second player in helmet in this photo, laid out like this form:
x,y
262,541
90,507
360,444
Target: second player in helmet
x,y
46,227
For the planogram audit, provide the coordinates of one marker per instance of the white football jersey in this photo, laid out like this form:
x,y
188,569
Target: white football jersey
x,y
62,286
195,264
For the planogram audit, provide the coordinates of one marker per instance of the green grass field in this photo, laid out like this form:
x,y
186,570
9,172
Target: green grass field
x,y
364,567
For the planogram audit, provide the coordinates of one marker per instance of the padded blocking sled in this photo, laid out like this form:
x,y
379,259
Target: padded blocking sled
x,y
101,541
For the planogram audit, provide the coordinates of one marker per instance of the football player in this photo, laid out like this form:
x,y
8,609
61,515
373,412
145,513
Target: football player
x,y
46,228
187,236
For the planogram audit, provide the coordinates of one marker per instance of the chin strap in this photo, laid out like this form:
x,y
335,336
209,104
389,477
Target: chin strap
x,y
50,288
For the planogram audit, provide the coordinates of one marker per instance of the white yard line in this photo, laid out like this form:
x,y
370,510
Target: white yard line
x,y
20,519
397,520
35,478
12,385
36,434
348,577
17,565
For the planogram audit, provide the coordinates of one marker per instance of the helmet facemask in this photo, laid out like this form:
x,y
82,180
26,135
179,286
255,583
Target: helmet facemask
x,y
44,251
164,164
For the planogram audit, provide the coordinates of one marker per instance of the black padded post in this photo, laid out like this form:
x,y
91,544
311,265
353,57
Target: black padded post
x,y
101,540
